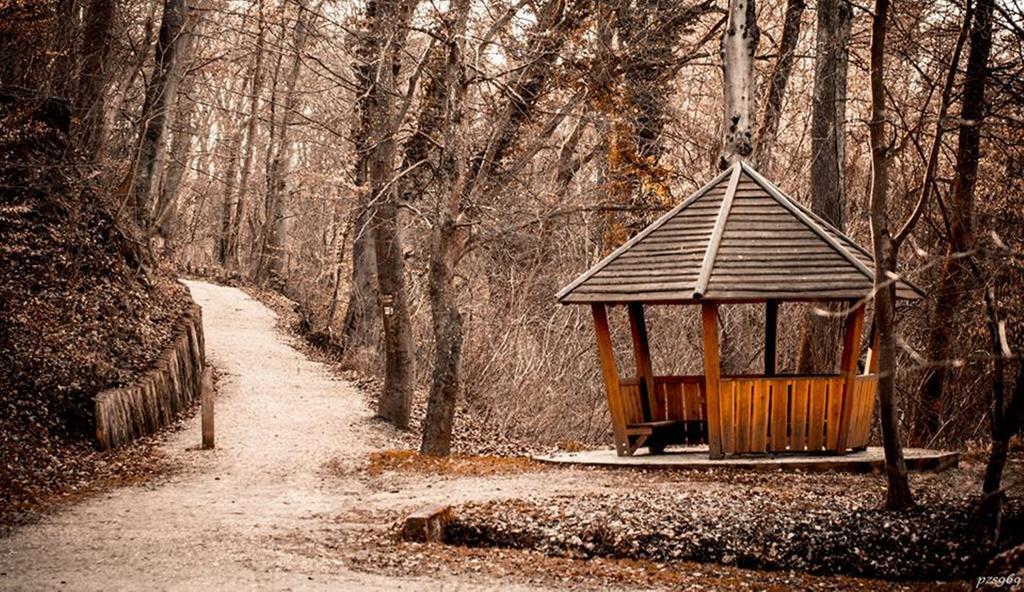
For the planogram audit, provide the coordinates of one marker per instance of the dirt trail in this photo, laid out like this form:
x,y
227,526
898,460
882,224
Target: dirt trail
x,y
219,523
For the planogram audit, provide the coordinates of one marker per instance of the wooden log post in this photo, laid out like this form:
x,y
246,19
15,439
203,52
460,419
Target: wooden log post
x,y
206,408
871,363
771,332
712,376
848,366
610,373
642,355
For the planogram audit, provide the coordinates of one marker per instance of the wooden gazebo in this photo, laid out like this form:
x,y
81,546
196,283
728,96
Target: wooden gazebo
x,y
739,239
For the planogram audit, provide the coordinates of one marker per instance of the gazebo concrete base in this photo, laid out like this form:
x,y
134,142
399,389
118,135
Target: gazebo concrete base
x,y
870,460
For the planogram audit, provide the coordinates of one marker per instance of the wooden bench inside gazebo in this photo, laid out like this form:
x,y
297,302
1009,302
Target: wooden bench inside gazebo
x,y
737,240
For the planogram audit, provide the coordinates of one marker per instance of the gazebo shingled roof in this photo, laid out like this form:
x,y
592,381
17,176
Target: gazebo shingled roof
x,y
738,238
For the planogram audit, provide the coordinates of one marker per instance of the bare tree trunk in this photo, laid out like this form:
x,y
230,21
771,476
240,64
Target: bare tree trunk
x,y
182,127
258,225
447,88
819,335
239,203
898,496
777,87
446,244
1005,423
339,231
166,219
227,247
739,42
90,100
118,99
395,400
828,111
632,82
955,275
468,182
231,197
362,321
1005,414
272,261
648,34
388,26
160,95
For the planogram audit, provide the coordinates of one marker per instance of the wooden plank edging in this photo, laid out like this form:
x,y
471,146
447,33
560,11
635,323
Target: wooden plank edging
x,y
160,394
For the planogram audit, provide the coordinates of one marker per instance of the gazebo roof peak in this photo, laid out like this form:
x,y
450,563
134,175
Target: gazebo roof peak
x,y
738,238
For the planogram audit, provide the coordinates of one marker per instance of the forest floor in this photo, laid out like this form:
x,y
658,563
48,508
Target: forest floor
x,y
305,491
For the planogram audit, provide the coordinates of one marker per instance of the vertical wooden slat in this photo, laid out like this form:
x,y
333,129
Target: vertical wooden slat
x,y
709,320
759,415
679,409
832,415
771,331
694,408
702,400
848,369
867,398
727,415
816,417
870,396
744,392
661,399
693,400
610,374
833,410
798,414
780,413
691,407
858,436
854,422
642,356
677,405
674,390
702,407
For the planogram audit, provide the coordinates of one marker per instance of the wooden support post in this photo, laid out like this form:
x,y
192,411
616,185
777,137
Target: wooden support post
x,y
712,372
206,407
642,355
848,366
771,333
610,373
871,364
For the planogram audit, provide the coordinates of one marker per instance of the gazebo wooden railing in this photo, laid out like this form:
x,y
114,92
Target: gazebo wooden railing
x,y
762,414
737,240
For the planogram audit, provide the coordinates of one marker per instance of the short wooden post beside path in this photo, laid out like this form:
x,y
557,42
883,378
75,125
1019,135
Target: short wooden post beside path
x,y
206,408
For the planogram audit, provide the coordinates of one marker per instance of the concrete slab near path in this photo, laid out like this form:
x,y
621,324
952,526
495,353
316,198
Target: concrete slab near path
x,y
866,461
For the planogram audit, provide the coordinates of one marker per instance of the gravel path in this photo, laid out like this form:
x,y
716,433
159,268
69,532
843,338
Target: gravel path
x,y
216,524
